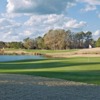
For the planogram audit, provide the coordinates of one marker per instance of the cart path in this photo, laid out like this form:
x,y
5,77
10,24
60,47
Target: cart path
x,y
24,87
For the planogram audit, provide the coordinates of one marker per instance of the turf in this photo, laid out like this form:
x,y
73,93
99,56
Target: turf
x,y
79,69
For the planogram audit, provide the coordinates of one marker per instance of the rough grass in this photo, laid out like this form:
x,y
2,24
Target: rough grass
x,y
42,51
79,69
52,51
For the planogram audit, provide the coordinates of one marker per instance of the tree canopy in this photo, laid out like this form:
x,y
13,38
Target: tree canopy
x,y
56,40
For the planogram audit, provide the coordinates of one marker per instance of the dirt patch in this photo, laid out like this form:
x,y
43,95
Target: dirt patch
x,y
17,52
93,52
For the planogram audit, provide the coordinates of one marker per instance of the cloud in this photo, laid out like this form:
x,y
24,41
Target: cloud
x,y
36,25
53,21
10,15
14,15
89,8
90,5
74,24
71,4
9,36
90,2
38,6
9,29
96,34
8,23
98,14
47,6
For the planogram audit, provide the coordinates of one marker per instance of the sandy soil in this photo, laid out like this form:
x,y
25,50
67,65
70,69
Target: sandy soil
x,y
18,52
94,52
24,87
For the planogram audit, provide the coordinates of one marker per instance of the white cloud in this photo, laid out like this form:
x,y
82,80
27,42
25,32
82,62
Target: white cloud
x,y
10,35
89,8
36,25
27,33
54,21
19,5
90,2
38,6
96,34
8,23
10,15
74,24
9,29
90,5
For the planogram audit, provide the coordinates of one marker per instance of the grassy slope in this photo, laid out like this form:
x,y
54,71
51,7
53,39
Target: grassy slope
x,y
75,69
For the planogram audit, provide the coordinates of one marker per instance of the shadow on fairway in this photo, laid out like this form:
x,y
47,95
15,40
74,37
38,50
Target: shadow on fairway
x,y
92,77
30,64
80,76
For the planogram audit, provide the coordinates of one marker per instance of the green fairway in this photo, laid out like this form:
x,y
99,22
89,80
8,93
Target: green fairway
x,y
74,69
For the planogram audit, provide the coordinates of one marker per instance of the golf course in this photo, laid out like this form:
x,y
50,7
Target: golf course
x,y
51,75
78,69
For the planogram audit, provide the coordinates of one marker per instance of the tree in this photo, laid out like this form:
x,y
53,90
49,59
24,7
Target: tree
x,y
82,40
88,39
69,39
15,45
98,42
55,39
40,42
29,43
79,39
2,44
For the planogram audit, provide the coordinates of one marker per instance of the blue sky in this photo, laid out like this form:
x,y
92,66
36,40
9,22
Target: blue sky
x,y
31,18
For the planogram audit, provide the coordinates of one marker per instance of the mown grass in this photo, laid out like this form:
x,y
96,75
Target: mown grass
x,y
79,69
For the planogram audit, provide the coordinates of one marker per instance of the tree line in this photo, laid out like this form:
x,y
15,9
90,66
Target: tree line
x,y
56,40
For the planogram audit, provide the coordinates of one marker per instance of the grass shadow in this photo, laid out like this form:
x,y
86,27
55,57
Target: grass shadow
x,y
35,64
91,77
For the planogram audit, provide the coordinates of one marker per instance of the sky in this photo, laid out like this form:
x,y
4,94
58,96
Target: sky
x,y
20,19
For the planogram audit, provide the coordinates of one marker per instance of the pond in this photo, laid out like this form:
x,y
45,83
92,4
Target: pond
x,y
4,58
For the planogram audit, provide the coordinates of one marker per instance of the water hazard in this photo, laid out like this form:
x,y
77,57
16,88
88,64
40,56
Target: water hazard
x,y
4,58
